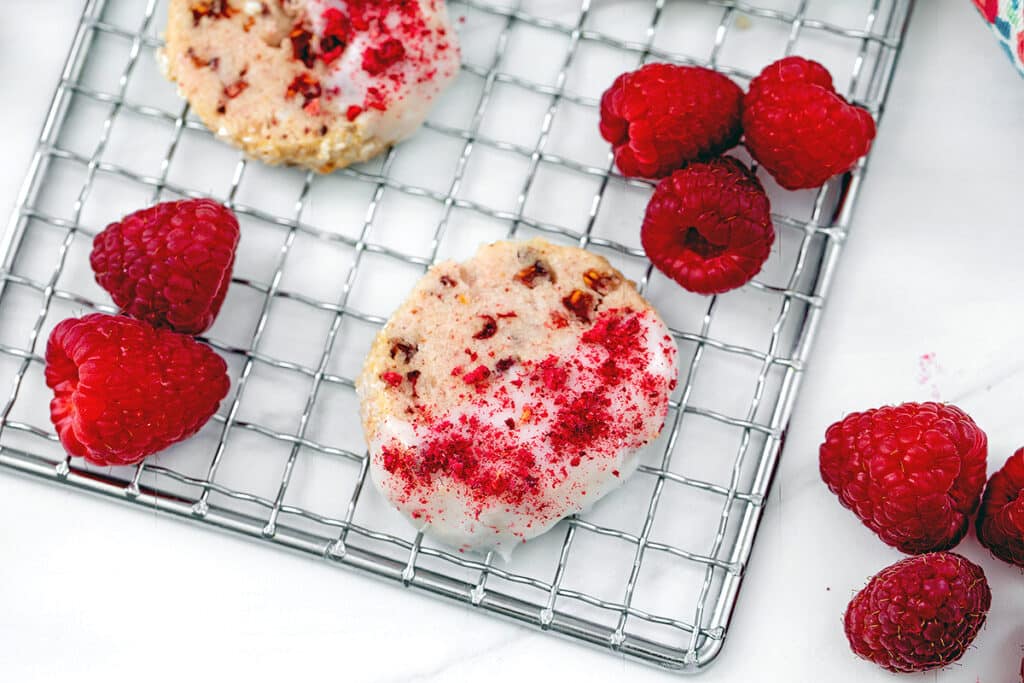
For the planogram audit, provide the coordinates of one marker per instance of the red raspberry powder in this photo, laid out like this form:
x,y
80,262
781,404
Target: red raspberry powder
x,y
398,33
337,34
378,59
591,403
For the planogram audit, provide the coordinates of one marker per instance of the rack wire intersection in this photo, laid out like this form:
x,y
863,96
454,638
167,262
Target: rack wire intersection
x,y
654,570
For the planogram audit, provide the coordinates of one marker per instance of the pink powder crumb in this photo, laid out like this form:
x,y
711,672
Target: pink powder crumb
x,y
928,372
392,378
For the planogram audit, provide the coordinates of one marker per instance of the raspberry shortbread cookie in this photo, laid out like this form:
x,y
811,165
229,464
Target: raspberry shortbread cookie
x,y
513,390
318,83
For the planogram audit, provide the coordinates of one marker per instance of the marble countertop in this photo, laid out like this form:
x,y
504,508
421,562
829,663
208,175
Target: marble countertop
x,y
925,306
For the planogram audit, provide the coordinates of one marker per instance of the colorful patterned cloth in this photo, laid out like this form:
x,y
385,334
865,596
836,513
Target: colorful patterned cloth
x,y
1007,20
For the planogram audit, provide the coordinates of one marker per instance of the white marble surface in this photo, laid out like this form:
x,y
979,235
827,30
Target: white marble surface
x,y
932,268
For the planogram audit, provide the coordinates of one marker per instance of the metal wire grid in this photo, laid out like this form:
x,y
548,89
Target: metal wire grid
x,y
538,594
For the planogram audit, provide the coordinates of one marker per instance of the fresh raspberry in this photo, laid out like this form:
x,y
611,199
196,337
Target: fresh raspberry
x,y
662,116
1000,523
799,128
170,264
919,614
912,473
709,226
123,390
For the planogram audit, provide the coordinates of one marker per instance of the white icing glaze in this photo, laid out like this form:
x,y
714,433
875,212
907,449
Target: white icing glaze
x,y
410,86
450,512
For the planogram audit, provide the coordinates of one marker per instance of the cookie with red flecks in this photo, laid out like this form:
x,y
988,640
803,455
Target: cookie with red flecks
x,y
123,390
709,226
512,390
317,83
170,264
799,128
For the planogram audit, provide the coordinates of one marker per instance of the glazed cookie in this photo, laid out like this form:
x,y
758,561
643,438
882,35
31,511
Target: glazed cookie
x,y
318,83
513,390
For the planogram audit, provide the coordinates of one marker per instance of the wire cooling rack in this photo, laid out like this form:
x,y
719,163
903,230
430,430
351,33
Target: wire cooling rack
x,y
653,571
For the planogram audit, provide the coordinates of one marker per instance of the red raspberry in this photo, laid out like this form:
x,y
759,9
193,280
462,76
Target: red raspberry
x,y
123,390
912,473
709,226
919,614
170,264
662,116
1000,523
799,128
